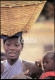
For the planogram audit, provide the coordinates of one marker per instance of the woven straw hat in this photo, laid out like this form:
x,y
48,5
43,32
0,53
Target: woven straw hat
x,y
19,16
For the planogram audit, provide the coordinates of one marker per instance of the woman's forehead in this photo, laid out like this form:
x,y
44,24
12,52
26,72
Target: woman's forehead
x,y
13,40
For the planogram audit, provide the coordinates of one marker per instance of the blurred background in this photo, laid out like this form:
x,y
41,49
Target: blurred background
x,y
42,32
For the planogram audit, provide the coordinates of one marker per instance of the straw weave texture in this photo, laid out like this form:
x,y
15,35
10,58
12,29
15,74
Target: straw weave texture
x,y
17,19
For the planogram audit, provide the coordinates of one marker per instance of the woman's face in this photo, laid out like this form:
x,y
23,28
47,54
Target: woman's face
x,y
48,63
12,48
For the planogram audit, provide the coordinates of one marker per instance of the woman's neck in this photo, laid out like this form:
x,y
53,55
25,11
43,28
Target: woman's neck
x,y
11,61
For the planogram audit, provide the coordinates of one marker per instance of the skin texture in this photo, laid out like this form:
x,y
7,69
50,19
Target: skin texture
x,y
12,49
48,62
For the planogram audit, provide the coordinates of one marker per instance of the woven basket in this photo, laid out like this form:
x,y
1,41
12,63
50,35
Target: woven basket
x,y
17,16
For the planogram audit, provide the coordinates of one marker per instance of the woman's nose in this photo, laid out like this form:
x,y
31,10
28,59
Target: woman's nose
x,y
12,47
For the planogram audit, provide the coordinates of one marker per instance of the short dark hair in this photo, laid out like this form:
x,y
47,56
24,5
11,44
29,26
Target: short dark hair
x,y
50,53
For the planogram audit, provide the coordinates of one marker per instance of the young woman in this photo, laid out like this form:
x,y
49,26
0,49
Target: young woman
x,y
14,65
17,17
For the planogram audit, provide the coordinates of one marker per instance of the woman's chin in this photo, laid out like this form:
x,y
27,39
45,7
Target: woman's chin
x,y
12,57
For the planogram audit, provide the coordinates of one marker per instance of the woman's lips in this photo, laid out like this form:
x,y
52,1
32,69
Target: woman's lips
x,y
12,54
